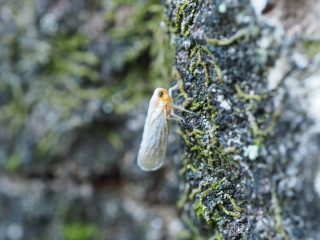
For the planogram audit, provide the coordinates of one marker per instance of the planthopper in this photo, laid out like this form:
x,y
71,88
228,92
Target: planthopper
x,y
156,128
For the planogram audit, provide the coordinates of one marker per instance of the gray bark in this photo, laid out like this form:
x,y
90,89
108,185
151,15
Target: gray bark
x,y
252,145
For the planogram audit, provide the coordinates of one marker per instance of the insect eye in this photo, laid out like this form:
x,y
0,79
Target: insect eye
x,y
160,94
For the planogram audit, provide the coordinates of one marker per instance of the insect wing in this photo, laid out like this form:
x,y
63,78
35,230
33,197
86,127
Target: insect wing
x,y
154,140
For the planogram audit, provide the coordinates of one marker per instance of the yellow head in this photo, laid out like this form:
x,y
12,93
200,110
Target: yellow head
x,y
163,99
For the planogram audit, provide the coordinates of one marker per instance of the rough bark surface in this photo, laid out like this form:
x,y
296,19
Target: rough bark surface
x,y
251,146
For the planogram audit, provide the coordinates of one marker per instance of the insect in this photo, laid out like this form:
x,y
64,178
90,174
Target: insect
x,y
155,134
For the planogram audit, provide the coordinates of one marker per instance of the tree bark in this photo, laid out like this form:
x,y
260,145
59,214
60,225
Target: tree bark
x,y
252,144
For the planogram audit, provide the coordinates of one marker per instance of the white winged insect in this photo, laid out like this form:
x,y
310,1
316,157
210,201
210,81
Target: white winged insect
x,y
155,134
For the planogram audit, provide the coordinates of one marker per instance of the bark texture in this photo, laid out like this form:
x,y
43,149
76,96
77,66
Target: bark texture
x,y
252,145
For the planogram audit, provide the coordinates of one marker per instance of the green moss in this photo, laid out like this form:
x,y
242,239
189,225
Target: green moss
x,y
13,163
14,114
257,131
149,43
197,60
200,210
185,16
278,216
234,204
195,106
194,192
184,197
230,213
196,149
194,230
215,168
203,147
115,140
246,96
69,58
310,47
217,236
228,41
47,142
182,92
213,61
80,231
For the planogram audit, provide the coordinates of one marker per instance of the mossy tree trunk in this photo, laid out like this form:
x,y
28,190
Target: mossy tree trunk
x,y
251,155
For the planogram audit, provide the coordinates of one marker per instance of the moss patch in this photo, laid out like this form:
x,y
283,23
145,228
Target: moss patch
x,y
80,231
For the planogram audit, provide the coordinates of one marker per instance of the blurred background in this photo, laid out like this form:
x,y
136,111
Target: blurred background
x,y
75,80
76,77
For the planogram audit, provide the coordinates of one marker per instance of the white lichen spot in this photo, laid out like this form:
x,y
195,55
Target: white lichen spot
x,y
252,151
186,44
264,42
317,183
107,108
223,103
277,73
15,231
259,5
300,60
49,24
313,97
6,13
234,140
155,229
174,227
222,8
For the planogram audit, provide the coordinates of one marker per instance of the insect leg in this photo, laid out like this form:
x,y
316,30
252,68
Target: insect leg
x,y
173,116
173,88
177,118
181,109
